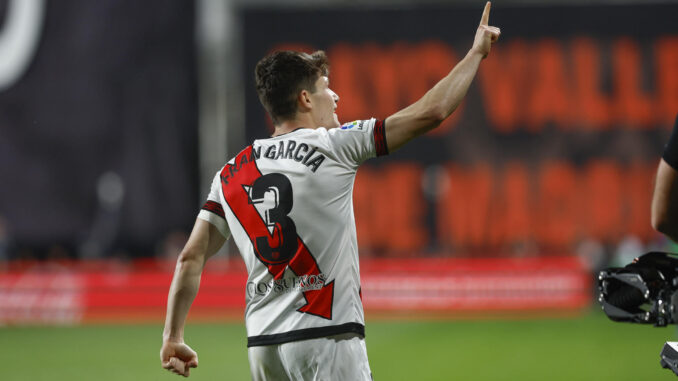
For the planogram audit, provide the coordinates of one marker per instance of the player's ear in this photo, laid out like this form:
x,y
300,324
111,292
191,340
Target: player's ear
x,y
304,100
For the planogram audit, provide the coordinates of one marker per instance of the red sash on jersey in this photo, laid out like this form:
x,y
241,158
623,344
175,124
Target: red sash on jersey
x,y
235,179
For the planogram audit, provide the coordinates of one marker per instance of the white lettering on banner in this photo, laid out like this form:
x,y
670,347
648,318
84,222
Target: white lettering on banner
x,y
477,291
19,38
42,298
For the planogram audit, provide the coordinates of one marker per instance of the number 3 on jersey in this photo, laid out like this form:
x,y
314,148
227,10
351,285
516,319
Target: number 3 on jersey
x,y
271,195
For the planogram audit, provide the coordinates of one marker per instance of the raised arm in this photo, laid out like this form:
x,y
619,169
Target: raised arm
x,y
439,102
205,241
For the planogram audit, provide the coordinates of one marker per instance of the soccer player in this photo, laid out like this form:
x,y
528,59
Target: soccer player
x,y
287,201
665,196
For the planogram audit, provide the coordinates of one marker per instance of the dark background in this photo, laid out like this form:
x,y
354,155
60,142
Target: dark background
x,y
99,138
112,88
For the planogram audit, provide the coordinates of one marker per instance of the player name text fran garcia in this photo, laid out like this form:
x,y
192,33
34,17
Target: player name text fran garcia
x,y
285,150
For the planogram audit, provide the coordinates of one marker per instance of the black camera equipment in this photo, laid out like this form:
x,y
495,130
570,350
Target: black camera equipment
x,y
641,292
644,291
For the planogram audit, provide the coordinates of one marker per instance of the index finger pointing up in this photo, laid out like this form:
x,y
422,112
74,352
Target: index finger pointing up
x,y
486,14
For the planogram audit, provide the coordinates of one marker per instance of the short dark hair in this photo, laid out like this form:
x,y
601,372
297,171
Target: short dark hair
x,y
280,76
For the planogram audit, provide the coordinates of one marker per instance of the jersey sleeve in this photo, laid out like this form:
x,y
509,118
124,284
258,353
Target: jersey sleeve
x,y
212,211
359,140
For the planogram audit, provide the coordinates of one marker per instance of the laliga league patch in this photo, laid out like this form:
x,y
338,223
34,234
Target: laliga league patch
x,y
356,125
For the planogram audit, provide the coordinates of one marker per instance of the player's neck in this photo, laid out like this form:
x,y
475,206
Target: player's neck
x,y
301,121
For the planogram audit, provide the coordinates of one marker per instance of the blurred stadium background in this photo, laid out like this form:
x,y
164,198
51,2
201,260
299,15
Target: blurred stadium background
x,y
479,242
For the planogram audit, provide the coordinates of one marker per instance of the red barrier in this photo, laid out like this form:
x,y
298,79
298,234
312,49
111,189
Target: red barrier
x,y
106,291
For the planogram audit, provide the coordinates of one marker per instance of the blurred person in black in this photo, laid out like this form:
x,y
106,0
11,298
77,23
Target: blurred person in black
x,y
287,202
665,196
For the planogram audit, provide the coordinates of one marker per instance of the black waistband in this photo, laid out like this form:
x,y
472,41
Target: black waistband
x,y
305,334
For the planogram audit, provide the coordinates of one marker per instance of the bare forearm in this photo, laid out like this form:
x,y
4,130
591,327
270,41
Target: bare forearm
x,y
435,106
182,292
447,94
665,201
205,241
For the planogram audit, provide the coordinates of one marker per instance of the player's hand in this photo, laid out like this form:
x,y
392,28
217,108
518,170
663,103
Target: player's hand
x,y
485,35
178,357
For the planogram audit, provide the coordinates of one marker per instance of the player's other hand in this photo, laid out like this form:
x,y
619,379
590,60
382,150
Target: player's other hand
x,y
178,357
485,35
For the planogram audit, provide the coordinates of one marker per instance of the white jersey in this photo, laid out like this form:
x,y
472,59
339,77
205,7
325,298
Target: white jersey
x,y
288,202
